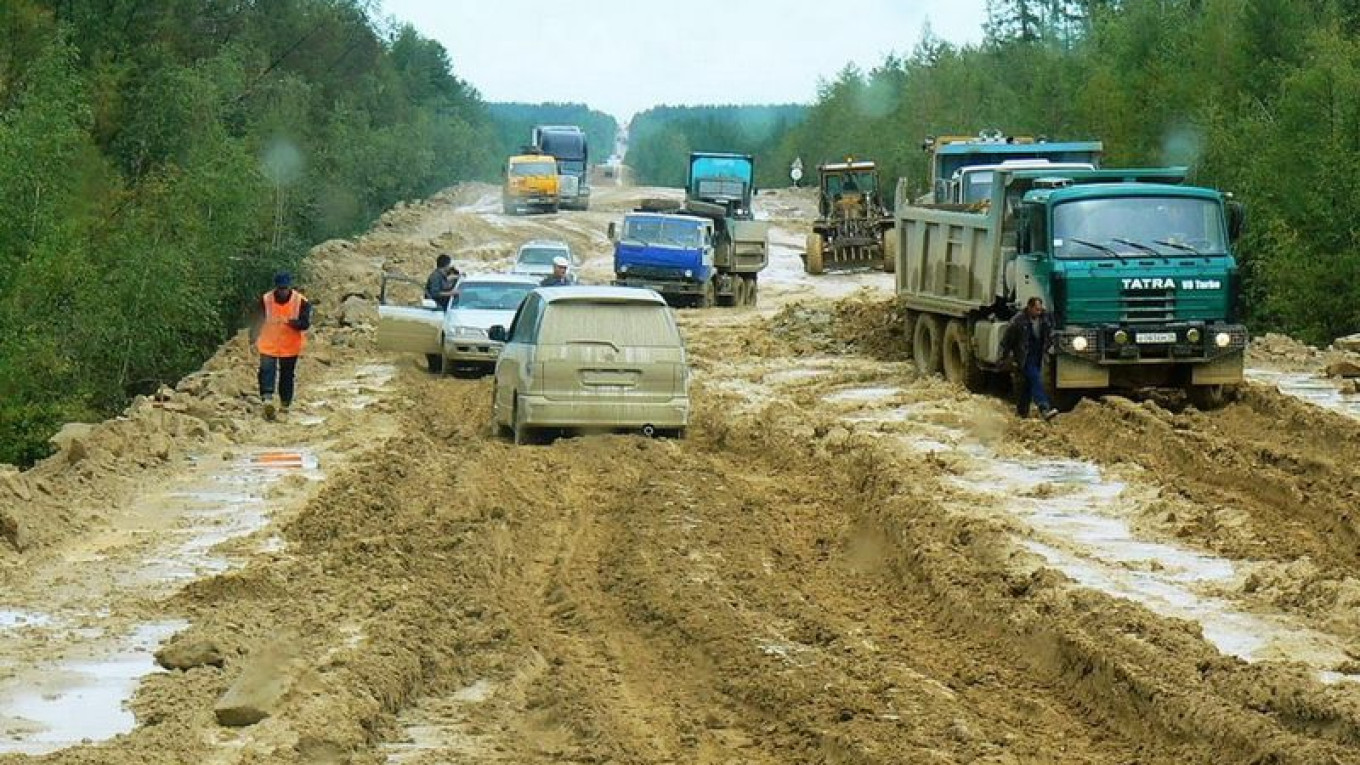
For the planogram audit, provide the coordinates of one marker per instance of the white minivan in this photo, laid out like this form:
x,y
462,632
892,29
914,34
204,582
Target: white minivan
x,y
589,359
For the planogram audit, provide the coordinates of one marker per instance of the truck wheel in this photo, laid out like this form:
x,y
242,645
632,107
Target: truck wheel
x,y
890,251
435,362
927,344
960,363
1064,399
1207,398
812,259
709,296
752,291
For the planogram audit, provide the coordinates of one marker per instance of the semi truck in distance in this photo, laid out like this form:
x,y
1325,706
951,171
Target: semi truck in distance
x,y
568,146
1135,267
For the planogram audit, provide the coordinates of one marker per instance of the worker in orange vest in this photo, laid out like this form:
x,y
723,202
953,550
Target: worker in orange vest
x,y
287,315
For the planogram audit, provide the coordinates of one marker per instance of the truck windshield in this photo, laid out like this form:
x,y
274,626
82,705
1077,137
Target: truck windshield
x,y
977,187
523,169
1137,226
490,296
540,256
671,233
571,167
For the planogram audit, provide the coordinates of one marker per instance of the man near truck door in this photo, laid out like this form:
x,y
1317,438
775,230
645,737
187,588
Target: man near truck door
x,y
287,315
1024,344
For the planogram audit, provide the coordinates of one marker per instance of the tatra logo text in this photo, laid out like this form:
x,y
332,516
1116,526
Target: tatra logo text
x,y
1165,283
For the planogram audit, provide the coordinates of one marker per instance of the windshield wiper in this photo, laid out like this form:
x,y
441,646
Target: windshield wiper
x,y
1177,245
1137,245
1097,246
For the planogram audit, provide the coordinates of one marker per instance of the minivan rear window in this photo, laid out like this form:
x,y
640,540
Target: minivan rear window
x,y
622,324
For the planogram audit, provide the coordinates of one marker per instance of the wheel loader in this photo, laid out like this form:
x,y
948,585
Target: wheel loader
x,y
851,220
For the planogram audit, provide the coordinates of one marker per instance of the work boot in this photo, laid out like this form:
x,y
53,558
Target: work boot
x,y
269,411
1049,414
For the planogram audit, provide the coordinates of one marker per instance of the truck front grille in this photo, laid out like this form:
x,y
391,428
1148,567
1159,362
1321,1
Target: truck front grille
x,y
1150,305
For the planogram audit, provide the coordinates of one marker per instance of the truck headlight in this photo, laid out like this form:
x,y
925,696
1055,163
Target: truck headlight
x,y
1121,337
1192,335
689,274
623,269
1079,343
1222,339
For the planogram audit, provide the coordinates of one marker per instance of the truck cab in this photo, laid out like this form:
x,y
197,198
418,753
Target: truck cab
x,y
726,180
669,253
531,183
567,145
1139,275
950,155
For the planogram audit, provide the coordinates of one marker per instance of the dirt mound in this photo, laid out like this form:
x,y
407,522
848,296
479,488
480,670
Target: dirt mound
x,y
858,324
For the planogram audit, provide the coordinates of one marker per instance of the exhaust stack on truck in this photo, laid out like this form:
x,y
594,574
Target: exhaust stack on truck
x,y
1136,269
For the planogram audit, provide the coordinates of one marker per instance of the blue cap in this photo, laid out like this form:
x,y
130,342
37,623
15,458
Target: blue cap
x,y
283,279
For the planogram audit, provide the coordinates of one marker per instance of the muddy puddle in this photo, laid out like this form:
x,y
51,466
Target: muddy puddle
x,y
1314,389
1080,519
443,725
67,671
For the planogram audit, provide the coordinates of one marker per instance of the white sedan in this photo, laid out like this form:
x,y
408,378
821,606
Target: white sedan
x,y
455,339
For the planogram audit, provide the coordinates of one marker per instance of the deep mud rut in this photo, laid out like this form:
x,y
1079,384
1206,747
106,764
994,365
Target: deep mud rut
x,y
842,564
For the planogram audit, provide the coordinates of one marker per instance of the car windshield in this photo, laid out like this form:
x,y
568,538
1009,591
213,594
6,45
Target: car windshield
x,y
540,256
1120,226
673,233
533,168
490,296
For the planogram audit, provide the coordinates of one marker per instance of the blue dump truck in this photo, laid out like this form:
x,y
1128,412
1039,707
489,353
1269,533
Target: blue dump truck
x,y
1135,267
704,251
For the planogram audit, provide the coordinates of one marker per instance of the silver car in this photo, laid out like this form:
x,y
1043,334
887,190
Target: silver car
x,y
536,257
479,302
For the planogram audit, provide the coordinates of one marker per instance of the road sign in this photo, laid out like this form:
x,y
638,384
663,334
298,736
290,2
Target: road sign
x,y
796,171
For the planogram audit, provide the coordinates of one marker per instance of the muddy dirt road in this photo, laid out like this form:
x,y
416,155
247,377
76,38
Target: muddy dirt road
x,y
842,564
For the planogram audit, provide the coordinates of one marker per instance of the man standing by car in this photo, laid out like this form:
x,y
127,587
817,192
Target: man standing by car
x,y
559,277
440,285
1024,344
287,315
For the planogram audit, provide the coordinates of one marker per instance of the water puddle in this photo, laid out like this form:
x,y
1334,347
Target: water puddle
x,y
1314,389
64,686
859,395
18,619
80,699
1079,523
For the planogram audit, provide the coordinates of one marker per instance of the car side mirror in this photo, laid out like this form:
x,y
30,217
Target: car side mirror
x,y
1237,220
613,232
497,333
428,303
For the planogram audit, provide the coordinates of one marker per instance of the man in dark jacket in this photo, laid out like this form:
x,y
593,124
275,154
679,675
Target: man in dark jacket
x,y
1025,344
442,281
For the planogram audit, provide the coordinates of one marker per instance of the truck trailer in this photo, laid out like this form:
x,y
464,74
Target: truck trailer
x,y
1135,267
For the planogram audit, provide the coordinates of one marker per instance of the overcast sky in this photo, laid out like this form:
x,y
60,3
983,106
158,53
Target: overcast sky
x,y
623,56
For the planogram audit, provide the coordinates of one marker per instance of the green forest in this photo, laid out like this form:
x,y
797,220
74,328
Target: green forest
x,y
661,138
1260,98
161,159
513,122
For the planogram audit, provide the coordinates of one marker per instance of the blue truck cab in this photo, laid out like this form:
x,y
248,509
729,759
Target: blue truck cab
x,y
667,252
722,179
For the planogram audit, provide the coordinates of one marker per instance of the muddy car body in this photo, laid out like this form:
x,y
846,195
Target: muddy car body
x,y
591,359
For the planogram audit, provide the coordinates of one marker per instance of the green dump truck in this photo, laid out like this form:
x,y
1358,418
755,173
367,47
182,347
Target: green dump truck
x,y
1135,267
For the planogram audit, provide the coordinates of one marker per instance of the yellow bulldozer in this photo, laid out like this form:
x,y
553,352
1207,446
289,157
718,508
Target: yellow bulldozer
x,y
852,220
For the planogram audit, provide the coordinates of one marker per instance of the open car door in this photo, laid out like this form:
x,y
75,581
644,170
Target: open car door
x,y
408,329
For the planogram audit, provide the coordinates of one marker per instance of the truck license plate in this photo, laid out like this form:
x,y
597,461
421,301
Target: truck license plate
x,y
1154,337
